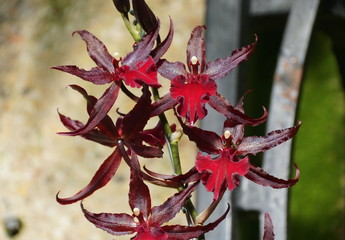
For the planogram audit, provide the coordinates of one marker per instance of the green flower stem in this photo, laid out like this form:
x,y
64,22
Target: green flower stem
x,y
131,29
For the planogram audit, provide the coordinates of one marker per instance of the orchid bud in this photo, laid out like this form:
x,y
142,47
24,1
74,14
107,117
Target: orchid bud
x,y
122,6
144,15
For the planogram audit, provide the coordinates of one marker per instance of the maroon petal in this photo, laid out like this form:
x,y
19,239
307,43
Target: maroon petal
x,y
259,176
254,145
106,126
168,210
160,182
96,75
191,176
161,49
146,151
221,104
115,224
99,111
142,49
100,179
171,70
219,68
236,130
139,193
94,135
186,232
268,228
136,119
144,73
97,51
163,104
196,48
206,141
156,135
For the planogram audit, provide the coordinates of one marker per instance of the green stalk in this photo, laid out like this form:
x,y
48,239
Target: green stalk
x,y
131,29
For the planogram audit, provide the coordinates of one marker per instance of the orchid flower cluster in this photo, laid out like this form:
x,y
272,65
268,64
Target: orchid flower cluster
x,y
221,161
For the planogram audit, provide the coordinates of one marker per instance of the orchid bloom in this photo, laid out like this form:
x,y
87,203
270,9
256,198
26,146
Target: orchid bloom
x,y
194,88
232,152
128,132
138,68
146,221
135,69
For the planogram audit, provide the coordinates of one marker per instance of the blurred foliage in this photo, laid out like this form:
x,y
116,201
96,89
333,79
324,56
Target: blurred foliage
x,y
316,201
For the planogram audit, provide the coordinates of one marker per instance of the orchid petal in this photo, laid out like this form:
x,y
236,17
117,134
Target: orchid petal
x,y
146,151
189,232
139,193
168,210
94,135
219,68
99,111
254,145
100,179
97,51
163,104
136,119
144,73
171,70
142,49
196,48
259,176
161,49
115,224
206,141
96,75
106,126
221,104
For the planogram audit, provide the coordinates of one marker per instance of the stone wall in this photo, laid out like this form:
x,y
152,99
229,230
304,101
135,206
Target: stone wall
x,y
35,163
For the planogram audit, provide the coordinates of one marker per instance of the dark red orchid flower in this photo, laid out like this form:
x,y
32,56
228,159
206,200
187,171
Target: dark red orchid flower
x,y
193,88
136,69
146,221
128,132
232,152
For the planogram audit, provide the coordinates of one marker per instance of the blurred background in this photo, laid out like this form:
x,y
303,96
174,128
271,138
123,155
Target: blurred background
x,y
35,163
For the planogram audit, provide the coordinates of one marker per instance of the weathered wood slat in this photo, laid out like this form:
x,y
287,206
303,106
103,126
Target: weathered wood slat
x,y
265,7
283,106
